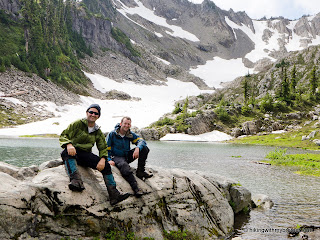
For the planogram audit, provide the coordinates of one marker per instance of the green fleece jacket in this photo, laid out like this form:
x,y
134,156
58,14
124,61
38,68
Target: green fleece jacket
x,y
77,133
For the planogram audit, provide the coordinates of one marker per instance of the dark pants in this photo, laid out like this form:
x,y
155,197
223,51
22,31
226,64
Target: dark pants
x,y
122,163
143,155
86,159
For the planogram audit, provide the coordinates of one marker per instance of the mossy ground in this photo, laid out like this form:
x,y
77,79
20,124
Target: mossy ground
x,y
305,164
286,139
9,118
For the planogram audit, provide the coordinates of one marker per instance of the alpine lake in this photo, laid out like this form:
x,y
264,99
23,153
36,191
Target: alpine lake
x,y
296,197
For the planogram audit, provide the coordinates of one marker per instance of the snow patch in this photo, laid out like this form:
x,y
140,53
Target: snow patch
x,y
214,136
149,15
220,70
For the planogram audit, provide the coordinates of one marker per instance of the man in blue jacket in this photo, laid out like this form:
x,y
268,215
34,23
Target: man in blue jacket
x,y
120,154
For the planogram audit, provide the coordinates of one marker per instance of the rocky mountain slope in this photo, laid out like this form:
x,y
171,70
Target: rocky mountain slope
x,y
278,98
148,41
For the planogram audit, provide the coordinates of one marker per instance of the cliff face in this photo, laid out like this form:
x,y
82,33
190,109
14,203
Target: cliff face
x,y
219,33
11,6
36,202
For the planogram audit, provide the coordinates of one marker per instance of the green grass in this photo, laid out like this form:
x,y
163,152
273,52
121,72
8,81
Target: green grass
x,y
305,164
287,139
9,118
41,136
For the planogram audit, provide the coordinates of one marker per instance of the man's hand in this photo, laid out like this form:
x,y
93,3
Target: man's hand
x,y
112,163
135,154
101,164
71,150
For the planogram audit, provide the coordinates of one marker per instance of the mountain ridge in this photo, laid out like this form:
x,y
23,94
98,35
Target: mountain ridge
x,y
122,34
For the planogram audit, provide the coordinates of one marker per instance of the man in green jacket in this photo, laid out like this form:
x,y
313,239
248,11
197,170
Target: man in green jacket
x,y
77,140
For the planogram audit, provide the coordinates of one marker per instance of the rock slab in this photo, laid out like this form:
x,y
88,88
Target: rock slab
x,y
35,203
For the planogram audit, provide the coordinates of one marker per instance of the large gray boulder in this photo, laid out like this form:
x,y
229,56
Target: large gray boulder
x,y
37,204
251,127
202,123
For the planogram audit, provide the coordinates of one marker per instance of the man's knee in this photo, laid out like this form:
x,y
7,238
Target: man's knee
x,y
107,169
125,169
64,155
144,151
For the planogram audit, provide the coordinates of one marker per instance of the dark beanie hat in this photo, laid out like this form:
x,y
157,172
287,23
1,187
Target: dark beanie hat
x,y
96,106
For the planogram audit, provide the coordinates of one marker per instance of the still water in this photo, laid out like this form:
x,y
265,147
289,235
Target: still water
x,y
296,198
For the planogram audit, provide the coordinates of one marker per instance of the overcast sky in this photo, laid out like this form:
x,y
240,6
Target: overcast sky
x,y
256,9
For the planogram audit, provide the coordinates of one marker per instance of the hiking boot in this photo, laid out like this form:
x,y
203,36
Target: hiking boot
x,y
115,196
138,192
143,174
76,183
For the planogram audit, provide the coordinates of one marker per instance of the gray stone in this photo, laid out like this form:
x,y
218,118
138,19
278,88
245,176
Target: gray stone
x,y
149,134
114,94
201,123
263,201
276,126
317,142
251,127
312,134
236,132
50,164
296,116
240,197
42,206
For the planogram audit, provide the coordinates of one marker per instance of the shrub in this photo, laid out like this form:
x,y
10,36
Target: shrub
x,y
177,109
277,154
164,121
182,128
222,114
280,106
2,68
246,110
266,104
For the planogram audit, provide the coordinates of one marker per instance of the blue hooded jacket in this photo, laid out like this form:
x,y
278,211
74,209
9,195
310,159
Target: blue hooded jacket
x,y
120,146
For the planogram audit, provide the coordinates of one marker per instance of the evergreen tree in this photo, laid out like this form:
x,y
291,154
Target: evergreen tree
x,y
245,87
285,87
313,81
293,82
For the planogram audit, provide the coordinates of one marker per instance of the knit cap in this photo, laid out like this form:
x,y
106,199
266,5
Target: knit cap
x,y
96,106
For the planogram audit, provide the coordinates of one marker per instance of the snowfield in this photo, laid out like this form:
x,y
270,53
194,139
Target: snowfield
x,y
155,102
